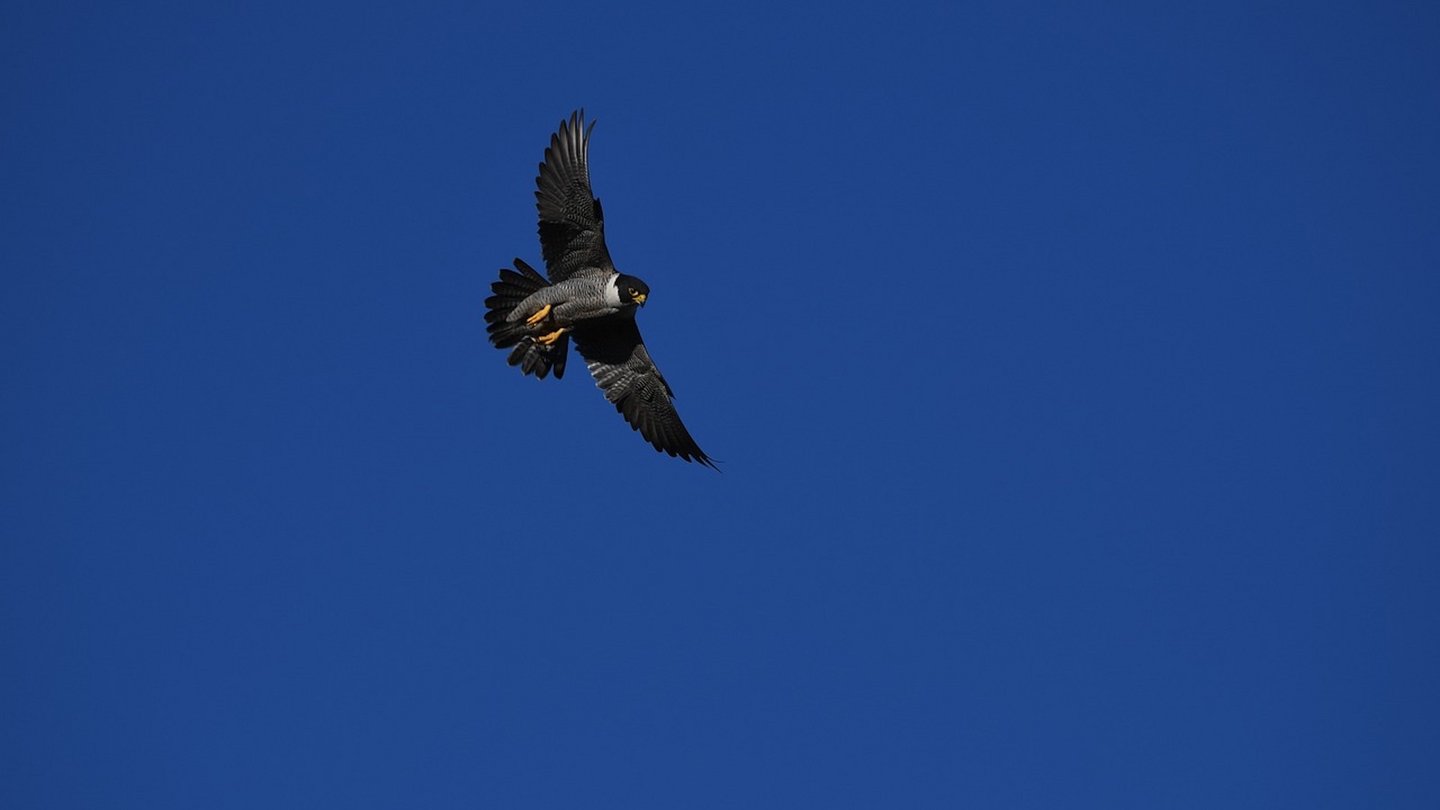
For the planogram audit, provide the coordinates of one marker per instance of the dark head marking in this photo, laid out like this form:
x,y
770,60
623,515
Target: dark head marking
x,y
632,290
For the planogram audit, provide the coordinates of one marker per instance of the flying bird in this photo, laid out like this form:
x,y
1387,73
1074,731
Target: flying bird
x,y
585,298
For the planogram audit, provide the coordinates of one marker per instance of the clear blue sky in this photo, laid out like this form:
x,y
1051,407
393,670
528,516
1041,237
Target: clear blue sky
x,y
1073,369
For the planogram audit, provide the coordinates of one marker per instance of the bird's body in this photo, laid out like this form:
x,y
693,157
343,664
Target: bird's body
x,y
586,298
577,299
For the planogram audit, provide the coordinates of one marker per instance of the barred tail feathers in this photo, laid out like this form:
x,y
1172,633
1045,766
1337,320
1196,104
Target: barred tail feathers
x,y
509,291
531,357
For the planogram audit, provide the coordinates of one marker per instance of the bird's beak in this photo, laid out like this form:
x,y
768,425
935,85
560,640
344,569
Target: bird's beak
x,y
640,299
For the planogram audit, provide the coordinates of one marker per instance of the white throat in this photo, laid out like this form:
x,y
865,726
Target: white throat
x,y
612,292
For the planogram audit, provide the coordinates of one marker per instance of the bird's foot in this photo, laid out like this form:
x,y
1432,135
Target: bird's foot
x,y
547,340
538,316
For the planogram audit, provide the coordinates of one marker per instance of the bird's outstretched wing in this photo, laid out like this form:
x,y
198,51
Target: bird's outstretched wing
x,y
572,226
623,369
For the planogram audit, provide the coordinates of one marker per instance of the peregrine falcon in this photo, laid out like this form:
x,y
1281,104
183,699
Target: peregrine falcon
x,y
585,298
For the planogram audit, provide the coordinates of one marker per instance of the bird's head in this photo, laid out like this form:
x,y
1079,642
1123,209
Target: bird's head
x,y
632,290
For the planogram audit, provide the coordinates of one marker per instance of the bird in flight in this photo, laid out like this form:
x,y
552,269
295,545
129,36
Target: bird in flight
x,y
586,299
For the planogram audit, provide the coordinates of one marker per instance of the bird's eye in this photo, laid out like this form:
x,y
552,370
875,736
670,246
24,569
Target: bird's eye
x,y
634,292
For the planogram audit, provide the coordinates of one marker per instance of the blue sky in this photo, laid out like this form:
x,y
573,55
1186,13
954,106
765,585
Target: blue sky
x,y
1072,370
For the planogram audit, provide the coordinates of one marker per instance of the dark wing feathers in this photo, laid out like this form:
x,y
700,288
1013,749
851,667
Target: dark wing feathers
x,y
623,369
572,226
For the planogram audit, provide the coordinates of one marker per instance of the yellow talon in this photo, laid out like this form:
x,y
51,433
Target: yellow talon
x,y
550,338
538,316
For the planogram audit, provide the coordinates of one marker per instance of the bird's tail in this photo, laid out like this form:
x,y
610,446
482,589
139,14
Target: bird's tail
x,y
532,357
